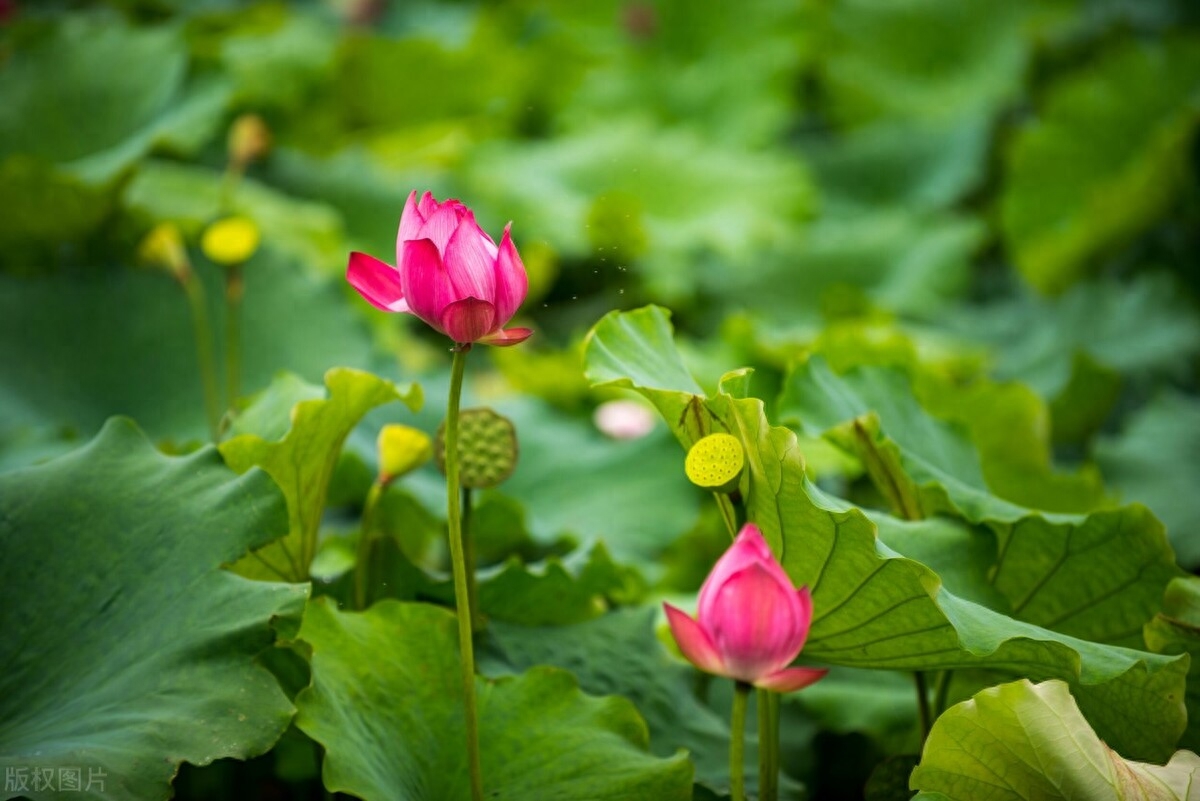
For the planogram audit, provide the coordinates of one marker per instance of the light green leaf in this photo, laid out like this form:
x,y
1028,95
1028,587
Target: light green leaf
x,y
1153,461
127,649
386,703
1102,160
875,608
302,462
1024,740
127,83
1176,630
691,197
935,60
1137,328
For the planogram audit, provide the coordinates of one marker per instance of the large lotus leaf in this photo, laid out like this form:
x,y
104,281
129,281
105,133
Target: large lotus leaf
x,y
1176,630
386,703
875,608
127,649
1097,576
1088,172
620,654
911,164
126,87
689,196
1024,740
935,60
278,56
302,462
1137,328
1153,461
129,348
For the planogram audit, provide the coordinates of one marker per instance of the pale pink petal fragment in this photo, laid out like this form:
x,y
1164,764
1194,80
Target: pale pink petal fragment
x,y
752,623
506,337
512,283
468,320
749,548
427,205
693,641
440,226
378,282
411,220
426,285
471,267
789,680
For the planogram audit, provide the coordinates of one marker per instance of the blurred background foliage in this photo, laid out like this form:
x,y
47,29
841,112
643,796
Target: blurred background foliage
x,y
998,197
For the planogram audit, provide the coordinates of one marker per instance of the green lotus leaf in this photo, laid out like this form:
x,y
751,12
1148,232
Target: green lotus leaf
x,y
1176,630
1087,174
127,649
302,461
386,703
1024,740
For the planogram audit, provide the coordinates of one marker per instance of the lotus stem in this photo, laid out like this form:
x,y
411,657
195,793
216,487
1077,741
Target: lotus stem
x,y
462,591
768,745
234,290
737,742
362,565
202,331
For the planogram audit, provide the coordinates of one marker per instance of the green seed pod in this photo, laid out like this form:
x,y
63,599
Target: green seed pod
x,y
487,448
715,463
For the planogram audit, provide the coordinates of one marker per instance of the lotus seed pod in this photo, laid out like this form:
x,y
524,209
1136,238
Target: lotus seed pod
x,y
402,449
715,463
487,448
230,241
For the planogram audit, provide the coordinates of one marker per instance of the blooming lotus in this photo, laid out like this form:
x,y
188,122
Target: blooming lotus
x,y
450,274
751,622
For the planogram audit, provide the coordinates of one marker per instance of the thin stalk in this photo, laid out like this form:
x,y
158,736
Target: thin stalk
x,y
922,705
768,745
894,487
941,692
204,352
462,598
469,555
234,289
362,565
728,513
737,742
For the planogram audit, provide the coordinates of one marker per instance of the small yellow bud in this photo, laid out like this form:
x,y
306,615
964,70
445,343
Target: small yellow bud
x,y
402,449
249,140
163,247
715,462
231,241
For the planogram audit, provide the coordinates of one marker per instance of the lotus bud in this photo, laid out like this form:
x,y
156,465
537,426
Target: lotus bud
x,y
402,449
751,621
249,140
163,248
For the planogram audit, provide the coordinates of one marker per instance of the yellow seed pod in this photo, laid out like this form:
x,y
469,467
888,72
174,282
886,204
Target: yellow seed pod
x,y
231,241
715,463
402,449
163,247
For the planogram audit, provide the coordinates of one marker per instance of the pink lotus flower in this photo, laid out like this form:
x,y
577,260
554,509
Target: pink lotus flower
x,y
752,622
450,274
